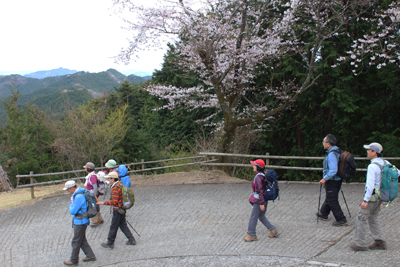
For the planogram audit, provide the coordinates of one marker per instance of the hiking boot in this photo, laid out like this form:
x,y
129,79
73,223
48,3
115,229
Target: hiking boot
x,y
131,242
324,218
105,245
250,238
68,262
342,222
273,233
378,244
89,259
354,247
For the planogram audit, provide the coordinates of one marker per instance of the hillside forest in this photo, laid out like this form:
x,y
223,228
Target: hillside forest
x,y
282,104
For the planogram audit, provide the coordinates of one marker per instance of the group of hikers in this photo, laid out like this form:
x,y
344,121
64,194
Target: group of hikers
x,y
368,213
117,176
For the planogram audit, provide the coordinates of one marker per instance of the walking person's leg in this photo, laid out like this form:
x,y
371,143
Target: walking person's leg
x,y
112,234
361,227
124,228
96,220
325,208
251,229
375,226
85,245
263,219
79,236
334,201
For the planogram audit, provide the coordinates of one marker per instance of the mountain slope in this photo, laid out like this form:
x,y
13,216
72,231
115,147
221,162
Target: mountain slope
x,y
50,73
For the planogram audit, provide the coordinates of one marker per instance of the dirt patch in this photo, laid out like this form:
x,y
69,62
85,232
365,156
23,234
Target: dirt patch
x,y
182,177
22,197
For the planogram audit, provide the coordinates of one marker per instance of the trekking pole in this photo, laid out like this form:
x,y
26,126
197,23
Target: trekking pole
x,y
345,201
104,196
319,202
132,227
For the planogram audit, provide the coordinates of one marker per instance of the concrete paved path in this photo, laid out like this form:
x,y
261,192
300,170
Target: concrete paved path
x,y
199,225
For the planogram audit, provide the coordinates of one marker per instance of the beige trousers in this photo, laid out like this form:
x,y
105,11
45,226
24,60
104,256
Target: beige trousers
x,y
369,216
96,219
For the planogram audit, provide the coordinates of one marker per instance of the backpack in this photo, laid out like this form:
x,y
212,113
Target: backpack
x,y
271,186
92,207
128,198
123,175
346,165
389,182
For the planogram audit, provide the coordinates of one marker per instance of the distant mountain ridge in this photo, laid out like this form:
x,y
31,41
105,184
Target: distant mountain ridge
x,y
52,93
98,82
50,73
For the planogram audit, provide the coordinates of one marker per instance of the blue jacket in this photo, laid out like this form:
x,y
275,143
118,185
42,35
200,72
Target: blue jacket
x,y
78,205
123,175
331,165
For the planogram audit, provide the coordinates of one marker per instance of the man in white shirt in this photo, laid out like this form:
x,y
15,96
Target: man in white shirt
x,y
368,213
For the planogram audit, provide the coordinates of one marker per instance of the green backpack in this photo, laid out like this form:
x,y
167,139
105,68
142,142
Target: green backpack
x,y
128,198
389,183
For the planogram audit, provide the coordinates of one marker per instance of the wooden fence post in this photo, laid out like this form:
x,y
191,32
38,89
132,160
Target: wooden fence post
x,y
267,161
32,188
143,167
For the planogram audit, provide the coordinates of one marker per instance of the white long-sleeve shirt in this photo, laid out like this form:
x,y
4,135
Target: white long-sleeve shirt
x,y
374,177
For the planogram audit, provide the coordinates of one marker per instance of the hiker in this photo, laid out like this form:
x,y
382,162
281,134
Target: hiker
x,y
368,213
112,166
332,183
92,185
259,203
101,180
123,175
118,219
77,207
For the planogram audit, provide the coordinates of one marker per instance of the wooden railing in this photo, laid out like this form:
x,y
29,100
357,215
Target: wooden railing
x,y
209,160
31,175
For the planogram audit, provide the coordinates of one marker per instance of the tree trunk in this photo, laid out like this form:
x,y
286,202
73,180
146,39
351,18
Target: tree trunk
x,y
5,184
226,141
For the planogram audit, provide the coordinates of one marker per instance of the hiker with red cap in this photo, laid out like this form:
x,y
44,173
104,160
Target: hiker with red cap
x,y
259,203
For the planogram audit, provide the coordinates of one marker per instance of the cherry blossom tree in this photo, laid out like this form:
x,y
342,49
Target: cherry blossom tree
x,y
228,43
380,45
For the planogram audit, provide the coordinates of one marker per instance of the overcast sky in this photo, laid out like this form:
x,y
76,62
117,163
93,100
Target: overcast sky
x,y
81,35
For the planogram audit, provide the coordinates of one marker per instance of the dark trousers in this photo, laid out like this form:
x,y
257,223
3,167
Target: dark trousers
x,y
79,242
331,203
118,221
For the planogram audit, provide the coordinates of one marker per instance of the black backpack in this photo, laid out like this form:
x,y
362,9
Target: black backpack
x,y
92,207
271,186
346,166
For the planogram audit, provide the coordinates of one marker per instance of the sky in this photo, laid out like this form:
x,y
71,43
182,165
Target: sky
x,y
82,35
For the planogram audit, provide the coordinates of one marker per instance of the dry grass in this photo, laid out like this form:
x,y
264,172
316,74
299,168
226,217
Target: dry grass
x,y
22,197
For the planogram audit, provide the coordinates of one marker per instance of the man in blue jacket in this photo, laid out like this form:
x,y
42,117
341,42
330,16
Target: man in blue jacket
x,y
77,208
332,183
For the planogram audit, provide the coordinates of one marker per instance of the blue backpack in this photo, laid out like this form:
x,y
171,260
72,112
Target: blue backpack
x,y
123,175
271,186
389,183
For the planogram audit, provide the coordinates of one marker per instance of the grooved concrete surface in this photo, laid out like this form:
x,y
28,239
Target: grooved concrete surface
x,y
199,225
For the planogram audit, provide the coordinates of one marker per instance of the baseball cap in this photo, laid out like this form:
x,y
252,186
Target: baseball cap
x,y
89,165
69,184
112,175
111,164
258,162
374,147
